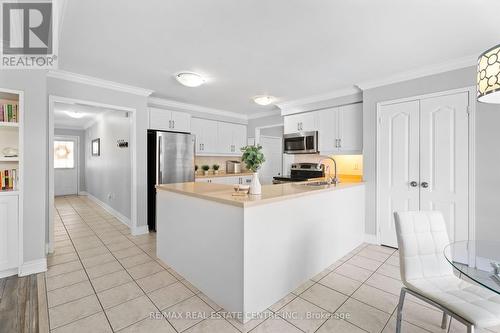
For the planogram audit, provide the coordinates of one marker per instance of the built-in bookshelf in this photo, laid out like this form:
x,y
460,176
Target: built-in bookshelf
x,y
9,141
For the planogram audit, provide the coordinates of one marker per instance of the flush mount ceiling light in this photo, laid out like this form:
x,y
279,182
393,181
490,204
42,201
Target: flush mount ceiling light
x,y
264,99
190,79
75,114
488,76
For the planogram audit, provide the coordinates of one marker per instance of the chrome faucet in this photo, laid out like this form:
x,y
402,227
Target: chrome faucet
x,y
331,180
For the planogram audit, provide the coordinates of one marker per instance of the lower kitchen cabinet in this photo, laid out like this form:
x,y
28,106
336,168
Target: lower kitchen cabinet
x,y
9,225
230,180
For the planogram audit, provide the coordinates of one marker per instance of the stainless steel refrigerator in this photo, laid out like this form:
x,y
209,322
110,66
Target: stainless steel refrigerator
x,y
170,160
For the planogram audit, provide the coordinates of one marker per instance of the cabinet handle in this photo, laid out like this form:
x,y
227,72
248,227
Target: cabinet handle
x,y
173,123
413,184
424,184
170,124
340,143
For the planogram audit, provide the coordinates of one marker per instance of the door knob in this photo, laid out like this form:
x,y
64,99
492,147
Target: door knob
x,y
424,184
413,184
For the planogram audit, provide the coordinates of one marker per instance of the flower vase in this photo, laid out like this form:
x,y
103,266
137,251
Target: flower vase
x,y
255,187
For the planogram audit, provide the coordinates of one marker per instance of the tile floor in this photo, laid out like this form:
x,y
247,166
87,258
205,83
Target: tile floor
x,y
102,279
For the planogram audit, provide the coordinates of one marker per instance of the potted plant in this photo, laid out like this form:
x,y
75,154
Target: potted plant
x,y
205,169
195,169
253,159
216,169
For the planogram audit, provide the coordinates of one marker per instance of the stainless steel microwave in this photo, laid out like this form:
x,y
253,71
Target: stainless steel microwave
x,y
301,143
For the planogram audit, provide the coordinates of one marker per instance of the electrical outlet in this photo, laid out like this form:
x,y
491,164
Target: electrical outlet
x,y
356,166
110,195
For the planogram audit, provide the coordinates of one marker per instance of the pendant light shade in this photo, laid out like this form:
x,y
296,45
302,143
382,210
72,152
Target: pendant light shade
x,y
488,76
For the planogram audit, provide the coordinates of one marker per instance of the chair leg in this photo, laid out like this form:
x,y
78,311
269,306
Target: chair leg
x,y
400,310
444,321
470,329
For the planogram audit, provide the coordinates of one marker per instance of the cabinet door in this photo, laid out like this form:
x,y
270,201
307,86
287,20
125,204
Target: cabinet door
x,y
246,180
197,130
328,130
210,136
8,232
239,138
308,121
292,124
160,119
202,180
350,128
225,138
181,122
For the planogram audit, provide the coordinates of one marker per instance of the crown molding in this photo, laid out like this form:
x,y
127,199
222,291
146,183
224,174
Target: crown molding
x,y
291,107
97,82
264,114
195,108
451,65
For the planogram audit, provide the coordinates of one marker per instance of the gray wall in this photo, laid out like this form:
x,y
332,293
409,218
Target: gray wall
x,y
81,151
487,139
109,175
264,121
34,177
276,131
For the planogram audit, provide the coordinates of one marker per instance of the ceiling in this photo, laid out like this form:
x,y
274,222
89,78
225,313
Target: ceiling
x,y
63,120
288,48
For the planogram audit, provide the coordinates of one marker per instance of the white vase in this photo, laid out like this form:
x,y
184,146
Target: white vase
x,y
255,187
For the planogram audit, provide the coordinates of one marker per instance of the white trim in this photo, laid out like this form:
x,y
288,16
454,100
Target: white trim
x,y
264,114
155,101
78,167
122,218
472,152
8,272
371,239
140,230
290,106
97,82
68,127
421,72
33,267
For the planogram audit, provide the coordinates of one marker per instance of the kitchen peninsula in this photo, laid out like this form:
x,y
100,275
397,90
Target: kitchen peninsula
x,y
247,252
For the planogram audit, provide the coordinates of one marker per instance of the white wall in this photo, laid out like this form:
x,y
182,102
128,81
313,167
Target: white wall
x,y
81,150
109,175
276,131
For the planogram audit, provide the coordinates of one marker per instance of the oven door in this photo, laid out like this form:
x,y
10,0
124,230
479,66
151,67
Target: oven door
x,y
301,143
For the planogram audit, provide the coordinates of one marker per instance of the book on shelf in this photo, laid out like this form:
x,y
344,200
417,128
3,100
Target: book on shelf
x,y
9,113
8,180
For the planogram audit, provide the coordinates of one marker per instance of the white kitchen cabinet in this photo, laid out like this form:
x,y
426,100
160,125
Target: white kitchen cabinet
x,y
229,180
231,138
327,130
9,223
302,122
166,120
206,132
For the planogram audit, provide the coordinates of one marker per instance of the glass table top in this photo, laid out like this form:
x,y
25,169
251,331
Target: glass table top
x,y
478,260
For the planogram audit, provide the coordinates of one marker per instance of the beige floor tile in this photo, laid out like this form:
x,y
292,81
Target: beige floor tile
x,y
190,286
64,250
276,325
97,251
173,272
405,327
130,312
324,297
422,316
304,315
210,303
340,283
321,275
303,287
96,323
143,270
103,269
213,325
69,293
250,324
98,260
156,281
341,326
390,271
354,272
150,325
375,255
114,296
364,316
282,302
383,249
363,262
69,312
135,260
170,295
127,252
111,280
380,299
64,268
64,280
187,313
385,283
61,258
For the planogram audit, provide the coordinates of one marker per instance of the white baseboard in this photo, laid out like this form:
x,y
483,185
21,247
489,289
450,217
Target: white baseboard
x,y
33,267
82,193
122,218
8,272
140,230
371,239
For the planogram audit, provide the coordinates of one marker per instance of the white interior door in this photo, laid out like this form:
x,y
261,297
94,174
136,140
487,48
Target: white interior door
x,y
397,165
444,156
271,147
65,166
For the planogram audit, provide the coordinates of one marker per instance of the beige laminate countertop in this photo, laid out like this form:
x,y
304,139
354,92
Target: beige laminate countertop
x,y
270,193
223,174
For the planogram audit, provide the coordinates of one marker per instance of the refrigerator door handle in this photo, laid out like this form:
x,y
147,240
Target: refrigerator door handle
x,y
158,161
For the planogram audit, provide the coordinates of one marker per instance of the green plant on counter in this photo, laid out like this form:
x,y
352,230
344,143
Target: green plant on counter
x,y
205,167
215,167
195,168
253,157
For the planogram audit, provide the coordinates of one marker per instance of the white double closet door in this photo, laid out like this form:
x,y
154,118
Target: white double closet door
x,y
423,162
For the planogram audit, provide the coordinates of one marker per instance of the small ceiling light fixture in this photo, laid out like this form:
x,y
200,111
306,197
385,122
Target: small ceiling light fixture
x,y
190,79
264,99
75,114
488,76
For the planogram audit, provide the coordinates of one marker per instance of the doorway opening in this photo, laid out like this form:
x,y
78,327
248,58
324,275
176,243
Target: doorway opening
x,y
271,139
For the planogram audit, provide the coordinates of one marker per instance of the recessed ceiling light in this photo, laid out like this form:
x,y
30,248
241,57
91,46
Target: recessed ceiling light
x,y
190,79
75,114
264,99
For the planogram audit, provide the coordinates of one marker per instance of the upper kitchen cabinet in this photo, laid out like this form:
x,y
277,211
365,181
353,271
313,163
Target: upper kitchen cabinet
x,y
172,121
328,130
350,128
302,122
207,136
231,138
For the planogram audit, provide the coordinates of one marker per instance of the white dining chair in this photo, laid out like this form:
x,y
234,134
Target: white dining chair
x,y
426,274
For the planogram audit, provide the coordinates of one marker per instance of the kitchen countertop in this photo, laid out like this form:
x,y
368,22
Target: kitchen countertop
x,y
222,174
270,193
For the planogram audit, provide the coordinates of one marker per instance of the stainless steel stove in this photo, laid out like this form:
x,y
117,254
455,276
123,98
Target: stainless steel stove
x,y
301,172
